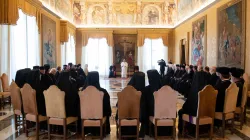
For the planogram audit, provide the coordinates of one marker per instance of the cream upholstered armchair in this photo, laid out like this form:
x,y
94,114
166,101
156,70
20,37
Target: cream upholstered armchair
x,y
5,93
17,105
128,110
55,110
240,110
228,113
30,109
165,109
246,80
5,83
91,102
205,111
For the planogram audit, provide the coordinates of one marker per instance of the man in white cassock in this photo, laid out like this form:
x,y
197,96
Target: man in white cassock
x,y
124,66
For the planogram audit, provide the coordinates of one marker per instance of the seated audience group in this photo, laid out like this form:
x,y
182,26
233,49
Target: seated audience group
x,y
186,79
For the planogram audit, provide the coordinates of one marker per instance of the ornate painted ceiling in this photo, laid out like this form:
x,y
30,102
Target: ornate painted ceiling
x,y
126,13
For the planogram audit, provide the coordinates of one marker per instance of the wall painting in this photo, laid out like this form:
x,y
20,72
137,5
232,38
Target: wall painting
x,y
199,42
231,34
49,41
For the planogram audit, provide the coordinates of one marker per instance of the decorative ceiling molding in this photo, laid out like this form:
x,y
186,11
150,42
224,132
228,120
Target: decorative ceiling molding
x,y
127,13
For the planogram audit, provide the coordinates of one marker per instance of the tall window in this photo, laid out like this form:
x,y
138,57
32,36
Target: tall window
x,y
24,44
98,55
68,53
4,49
152,51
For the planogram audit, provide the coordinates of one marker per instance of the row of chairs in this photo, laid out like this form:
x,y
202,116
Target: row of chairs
x,y
91,109
4,90
206,109
128,106
165,109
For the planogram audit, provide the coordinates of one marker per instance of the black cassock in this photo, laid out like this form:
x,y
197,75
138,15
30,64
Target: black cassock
x,y
177,73
111,73
81,72
155,84
93,80
67,83
138,82
34,79
21,76
213,79
57,75
184,84
240,85
52,78
168,76
162,64
200,80
221,87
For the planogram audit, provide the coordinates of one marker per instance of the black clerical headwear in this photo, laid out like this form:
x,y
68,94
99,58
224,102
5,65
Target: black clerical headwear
x,y
232,69
46,66
93,80
70,64
195,67
235,73
64,67
136,68
223,70
191,66
241,71
41,68
138,81
35,67
154,80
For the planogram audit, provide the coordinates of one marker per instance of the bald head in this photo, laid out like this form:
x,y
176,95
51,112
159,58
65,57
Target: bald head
x,y
200,68
213,70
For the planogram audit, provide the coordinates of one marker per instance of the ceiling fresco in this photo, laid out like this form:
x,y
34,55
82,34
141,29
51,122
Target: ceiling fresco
x,y
126,13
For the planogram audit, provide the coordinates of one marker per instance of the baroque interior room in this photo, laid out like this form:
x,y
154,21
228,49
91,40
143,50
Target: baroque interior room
x,y
100,56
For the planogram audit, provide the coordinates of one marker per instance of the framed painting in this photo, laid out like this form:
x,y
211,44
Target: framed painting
x,y
231,34
125,48
199,42
49,41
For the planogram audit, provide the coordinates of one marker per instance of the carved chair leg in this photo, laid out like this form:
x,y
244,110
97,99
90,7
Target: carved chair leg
x,y
241,119
183,128
27,129
197,132
83,135
48,129
64,129
156,132
211,131
101,133
223,125
37,128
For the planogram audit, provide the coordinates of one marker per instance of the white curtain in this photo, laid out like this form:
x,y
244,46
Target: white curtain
x,y
4,33
24,44
98,55
152,51
71,50
68,53
63,53
33,42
